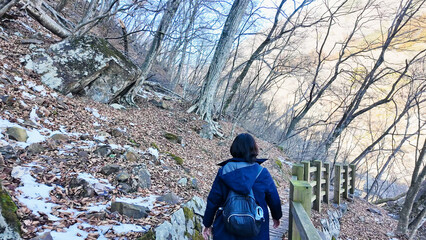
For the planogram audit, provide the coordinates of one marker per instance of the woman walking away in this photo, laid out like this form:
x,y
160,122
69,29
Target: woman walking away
x,y
240,195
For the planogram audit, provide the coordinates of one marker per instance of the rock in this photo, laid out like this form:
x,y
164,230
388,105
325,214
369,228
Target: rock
x,y
85,65
194,183
88,191
84,137
130,210
173,138
117,106
169,198
143,177
83,155
109,169
131,156
117,132
35,148
103,151
161,104
375,211
8,152
123,176
59,137
183,182
17,133
10,226
184,223
125,188
45,236
206,132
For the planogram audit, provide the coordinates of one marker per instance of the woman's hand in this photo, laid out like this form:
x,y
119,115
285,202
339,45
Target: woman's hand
x,y
207,233
276,223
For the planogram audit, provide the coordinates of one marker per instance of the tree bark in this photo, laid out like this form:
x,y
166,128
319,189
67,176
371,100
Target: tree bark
x,y
416,181
204,105
166,20
35,10
5,5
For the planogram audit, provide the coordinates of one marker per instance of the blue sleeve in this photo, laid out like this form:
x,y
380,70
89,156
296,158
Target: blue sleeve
x,y
214,200
272,198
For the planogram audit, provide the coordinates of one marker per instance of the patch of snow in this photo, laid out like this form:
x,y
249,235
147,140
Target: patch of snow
x,y
34,195
47,121
18,79
53,94
22,87
153,152
96,124
30,84
1,85
100,138
140,201
39,88
33,115
23,103
28,95
95,113
20,120
125,228
115,146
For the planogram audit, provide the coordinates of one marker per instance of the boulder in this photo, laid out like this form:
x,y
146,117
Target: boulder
x,y
123,177
173,138
35,148
10,226
117,106
186,223
109,169
84,65
130,210
8,152
183,182
142,176
103,151
17,133
131,156
87,189
169,198
194,183
45,236
59,137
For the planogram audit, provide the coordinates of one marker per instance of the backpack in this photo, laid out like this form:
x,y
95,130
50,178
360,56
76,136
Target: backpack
x,y
242,215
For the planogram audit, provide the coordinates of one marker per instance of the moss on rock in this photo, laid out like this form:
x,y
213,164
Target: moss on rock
x,y
8,210
178,159
150,235
155,146
173,138
197,236
279,163
189,214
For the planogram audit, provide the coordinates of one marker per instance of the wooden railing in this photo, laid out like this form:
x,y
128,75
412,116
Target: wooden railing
x,y
311,184
300,225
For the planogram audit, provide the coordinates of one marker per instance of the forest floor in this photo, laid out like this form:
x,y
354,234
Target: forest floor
x,y
39,174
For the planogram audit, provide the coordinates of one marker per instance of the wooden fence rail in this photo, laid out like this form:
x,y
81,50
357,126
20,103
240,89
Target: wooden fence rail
x,y
309,187
344,181
300,225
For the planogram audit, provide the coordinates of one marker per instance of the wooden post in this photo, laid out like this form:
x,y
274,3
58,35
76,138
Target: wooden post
x,y
306,168
301,192
337,183
353,167
326,198
297,171
346,181
317,191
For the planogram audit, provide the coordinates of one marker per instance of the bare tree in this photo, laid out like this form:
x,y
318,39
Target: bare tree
x,y
204,104
171,8
5,5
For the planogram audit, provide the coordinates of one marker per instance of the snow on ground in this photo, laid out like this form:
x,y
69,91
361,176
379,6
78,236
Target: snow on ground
x,y
36,197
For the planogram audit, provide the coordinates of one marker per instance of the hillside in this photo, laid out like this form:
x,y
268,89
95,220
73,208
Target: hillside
x,y
81,155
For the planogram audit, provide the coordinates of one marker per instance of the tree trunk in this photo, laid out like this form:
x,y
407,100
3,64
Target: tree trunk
x,y
166,20
416,181
36,11
204,105
5,5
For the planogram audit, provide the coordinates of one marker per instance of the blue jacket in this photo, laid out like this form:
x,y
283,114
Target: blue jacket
x,y
241,179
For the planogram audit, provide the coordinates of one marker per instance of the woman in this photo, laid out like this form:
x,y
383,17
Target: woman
x,y
240,174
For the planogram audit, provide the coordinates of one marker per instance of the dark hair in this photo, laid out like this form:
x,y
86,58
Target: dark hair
x,y
244,147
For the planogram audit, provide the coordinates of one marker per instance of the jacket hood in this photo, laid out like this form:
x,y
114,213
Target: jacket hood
x,y
259,161
240,176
